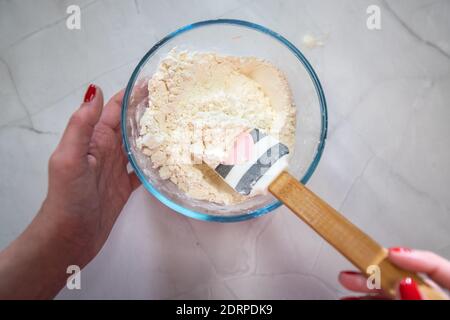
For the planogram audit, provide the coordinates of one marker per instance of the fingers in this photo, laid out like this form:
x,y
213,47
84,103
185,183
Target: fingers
x,y
111,113
355,281
436,267
77,135
134,180
408,290
140,90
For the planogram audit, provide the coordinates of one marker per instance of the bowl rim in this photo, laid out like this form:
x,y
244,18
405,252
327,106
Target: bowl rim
x,y
204,216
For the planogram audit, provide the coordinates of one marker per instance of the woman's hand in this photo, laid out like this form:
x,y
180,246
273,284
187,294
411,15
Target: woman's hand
x,y
88,180
88,187
434,266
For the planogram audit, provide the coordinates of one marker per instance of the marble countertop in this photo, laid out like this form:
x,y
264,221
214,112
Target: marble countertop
x,y
385,165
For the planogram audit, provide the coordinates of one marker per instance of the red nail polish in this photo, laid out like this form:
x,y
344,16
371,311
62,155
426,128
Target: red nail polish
x,y
399,250
408,290
351,273
90,93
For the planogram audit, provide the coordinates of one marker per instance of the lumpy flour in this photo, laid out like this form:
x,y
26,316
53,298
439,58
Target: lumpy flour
x,y
198,103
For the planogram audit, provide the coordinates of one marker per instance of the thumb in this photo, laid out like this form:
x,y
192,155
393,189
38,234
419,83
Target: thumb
x,y
436,267
77,135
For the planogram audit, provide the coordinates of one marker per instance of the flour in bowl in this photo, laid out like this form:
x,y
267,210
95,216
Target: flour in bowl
x,y
198,104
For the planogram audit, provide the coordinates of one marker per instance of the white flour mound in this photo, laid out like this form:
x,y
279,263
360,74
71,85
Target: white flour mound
x,y
198,104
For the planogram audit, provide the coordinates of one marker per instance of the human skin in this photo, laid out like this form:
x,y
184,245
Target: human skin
x,y
88,187
429,263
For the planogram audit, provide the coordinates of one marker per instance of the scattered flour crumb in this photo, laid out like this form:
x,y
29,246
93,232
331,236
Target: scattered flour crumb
x,y
311,41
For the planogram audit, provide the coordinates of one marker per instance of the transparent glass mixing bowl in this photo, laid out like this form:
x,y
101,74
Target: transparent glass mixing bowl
x,y
238,38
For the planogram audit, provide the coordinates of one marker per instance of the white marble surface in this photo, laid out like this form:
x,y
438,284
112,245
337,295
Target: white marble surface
x,y
385,165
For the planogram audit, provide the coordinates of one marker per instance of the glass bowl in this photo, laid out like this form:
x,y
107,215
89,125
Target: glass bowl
x,y
237,38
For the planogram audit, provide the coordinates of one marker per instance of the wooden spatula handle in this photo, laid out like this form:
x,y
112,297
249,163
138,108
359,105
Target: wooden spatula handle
x,y
348,239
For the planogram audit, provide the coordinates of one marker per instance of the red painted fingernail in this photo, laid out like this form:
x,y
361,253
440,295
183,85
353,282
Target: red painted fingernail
x,y
351,273
399,250
90,93
408,290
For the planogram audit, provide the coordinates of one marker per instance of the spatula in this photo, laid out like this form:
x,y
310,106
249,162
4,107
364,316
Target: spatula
x,y
264,168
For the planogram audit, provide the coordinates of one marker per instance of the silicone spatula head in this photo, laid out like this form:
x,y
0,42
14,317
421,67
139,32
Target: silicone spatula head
x,y
255,160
